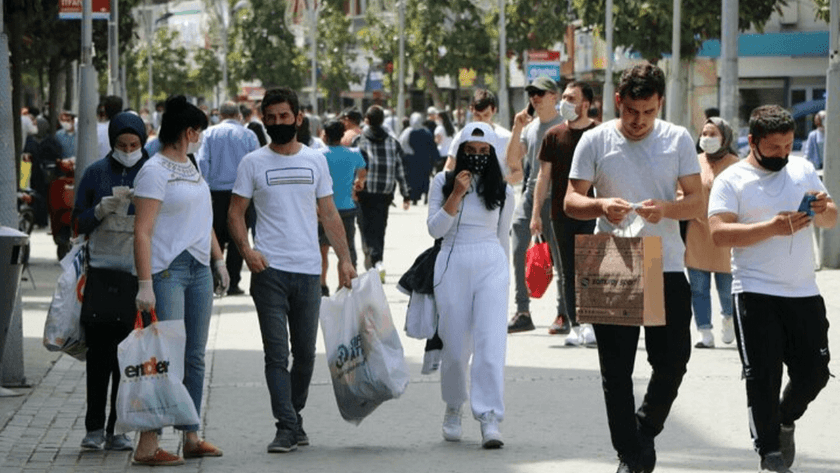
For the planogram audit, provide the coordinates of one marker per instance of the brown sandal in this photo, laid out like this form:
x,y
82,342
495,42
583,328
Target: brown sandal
x,y
202,449
160,458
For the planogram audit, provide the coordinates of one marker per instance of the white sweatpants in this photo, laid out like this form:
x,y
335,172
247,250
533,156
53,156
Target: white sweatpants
x,y
471,293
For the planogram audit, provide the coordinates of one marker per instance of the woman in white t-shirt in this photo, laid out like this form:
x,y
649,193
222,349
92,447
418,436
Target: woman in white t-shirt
x,y
470,208
173,244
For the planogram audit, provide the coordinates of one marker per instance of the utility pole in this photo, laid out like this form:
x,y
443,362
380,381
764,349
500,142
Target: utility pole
x,y
313,33
401,88
608,100
830,237
729,63
88,151
150,16
674,100
114,87
225,16
504,108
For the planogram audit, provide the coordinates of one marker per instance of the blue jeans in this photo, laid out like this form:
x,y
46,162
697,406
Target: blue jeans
x,y
184,291
287,308
701,299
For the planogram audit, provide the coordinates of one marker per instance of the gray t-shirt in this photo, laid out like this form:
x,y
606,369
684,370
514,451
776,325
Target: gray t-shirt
x,y
636,171
532,137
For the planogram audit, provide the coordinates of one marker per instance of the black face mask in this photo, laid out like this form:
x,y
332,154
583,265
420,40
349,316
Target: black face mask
x,y
770,163
281,134
477,163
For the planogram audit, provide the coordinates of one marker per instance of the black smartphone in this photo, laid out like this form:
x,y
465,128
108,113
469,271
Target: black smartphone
x,y
805,205
531,109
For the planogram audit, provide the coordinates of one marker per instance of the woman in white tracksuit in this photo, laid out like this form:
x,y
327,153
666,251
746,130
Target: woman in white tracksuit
x,y
471,209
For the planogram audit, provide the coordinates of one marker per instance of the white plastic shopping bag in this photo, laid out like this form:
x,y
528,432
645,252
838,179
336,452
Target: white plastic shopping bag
x,y
63,329
364,353
152,394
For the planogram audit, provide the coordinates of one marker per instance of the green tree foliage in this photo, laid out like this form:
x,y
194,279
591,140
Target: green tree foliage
x,y
822,10
170,68
380,38
263,47
533,25
206,73
645,25
336,44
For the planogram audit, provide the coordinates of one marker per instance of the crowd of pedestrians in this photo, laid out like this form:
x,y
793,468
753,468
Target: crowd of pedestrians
x,y
276,186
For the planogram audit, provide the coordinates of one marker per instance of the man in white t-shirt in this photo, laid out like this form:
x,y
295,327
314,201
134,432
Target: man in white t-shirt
x,y
291,187
634,163
780,316
483,108
111,105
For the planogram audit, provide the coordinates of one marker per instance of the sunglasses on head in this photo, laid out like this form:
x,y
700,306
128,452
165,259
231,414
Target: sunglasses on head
x,y
537,92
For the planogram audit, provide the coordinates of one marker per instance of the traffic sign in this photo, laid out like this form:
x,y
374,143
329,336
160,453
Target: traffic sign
x,y
72,9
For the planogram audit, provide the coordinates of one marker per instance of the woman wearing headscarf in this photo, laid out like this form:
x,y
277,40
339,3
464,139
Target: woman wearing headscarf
x,y
702,257
471,209
103,212
420,154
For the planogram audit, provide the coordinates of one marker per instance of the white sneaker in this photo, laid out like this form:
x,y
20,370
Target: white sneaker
x,y
728,330
707,339
573,339
587,335
491,437
452,424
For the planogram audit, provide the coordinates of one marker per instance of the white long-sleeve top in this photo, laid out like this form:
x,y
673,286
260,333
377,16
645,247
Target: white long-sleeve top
x,y
473,223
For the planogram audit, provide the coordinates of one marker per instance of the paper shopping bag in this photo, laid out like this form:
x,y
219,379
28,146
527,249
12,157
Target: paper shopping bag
x,y
151,393
619,281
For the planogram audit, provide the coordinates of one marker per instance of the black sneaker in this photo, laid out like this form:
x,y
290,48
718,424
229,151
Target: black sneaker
x,y
560,326
773,463
283,442
787,445
300,437
235,291
521,322
626,466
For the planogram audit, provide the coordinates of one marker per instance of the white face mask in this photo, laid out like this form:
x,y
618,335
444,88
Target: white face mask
x,y
567,111
193,148
127,159
67,126
710,144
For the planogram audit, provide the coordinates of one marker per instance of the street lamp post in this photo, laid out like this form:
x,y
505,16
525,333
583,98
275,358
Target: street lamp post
x,y
401,85
608,101
504,109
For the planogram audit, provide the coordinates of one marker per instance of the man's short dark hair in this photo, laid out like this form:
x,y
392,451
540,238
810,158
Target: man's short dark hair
x,y
769,119
353,114
585,89
333,131
375,116
642,82
281,95
245,111
711,112
113,105
483,98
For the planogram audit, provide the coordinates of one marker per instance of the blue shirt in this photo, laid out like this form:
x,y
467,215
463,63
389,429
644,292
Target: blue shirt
x,y
222,150
343,164
68,143
153,146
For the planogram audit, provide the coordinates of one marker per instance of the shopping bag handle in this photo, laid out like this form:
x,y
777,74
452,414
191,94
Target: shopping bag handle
x,y
138,319
538,238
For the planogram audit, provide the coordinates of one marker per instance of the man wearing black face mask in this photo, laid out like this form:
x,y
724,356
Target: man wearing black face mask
x,y
779,313
292,191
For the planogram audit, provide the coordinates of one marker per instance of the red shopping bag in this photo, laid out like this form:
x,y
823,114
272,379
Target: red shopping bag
x,y
538,267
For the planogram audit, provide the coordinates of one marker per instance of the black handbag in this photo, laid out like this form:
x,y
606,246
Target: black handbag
x,y
109,297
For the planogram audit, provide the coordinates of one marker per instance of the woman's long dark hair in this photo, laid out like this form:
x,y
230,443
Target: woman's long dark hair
x,y
491,186
447,123
177,117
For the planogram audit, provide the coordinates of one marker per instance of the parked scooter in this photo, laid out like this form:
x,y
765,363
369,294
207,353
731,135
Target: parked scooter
x,y
60,205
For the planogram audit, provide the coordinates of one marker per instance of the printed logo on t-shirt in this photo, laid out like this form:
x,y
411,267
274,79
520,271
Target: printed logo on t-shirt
x,y
278,177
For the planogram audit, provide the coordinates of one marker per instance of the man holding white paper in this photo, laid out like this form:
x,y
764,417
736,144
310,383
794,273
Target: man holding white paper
x,y
780,316
638,159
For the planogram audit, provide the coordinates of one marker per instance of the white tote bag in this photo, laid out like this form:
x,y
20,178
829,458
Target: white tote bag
x,y
152,394
63,329
364,353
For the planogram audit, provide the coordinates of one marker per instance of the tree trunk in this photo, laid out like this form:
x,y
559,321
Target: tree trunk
x,y
432,88
53,73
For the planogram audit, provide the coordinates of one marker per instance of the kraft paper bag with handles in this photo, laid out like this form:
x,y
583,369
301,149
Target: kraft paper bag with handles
x,y
151,393
618,280
364,353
